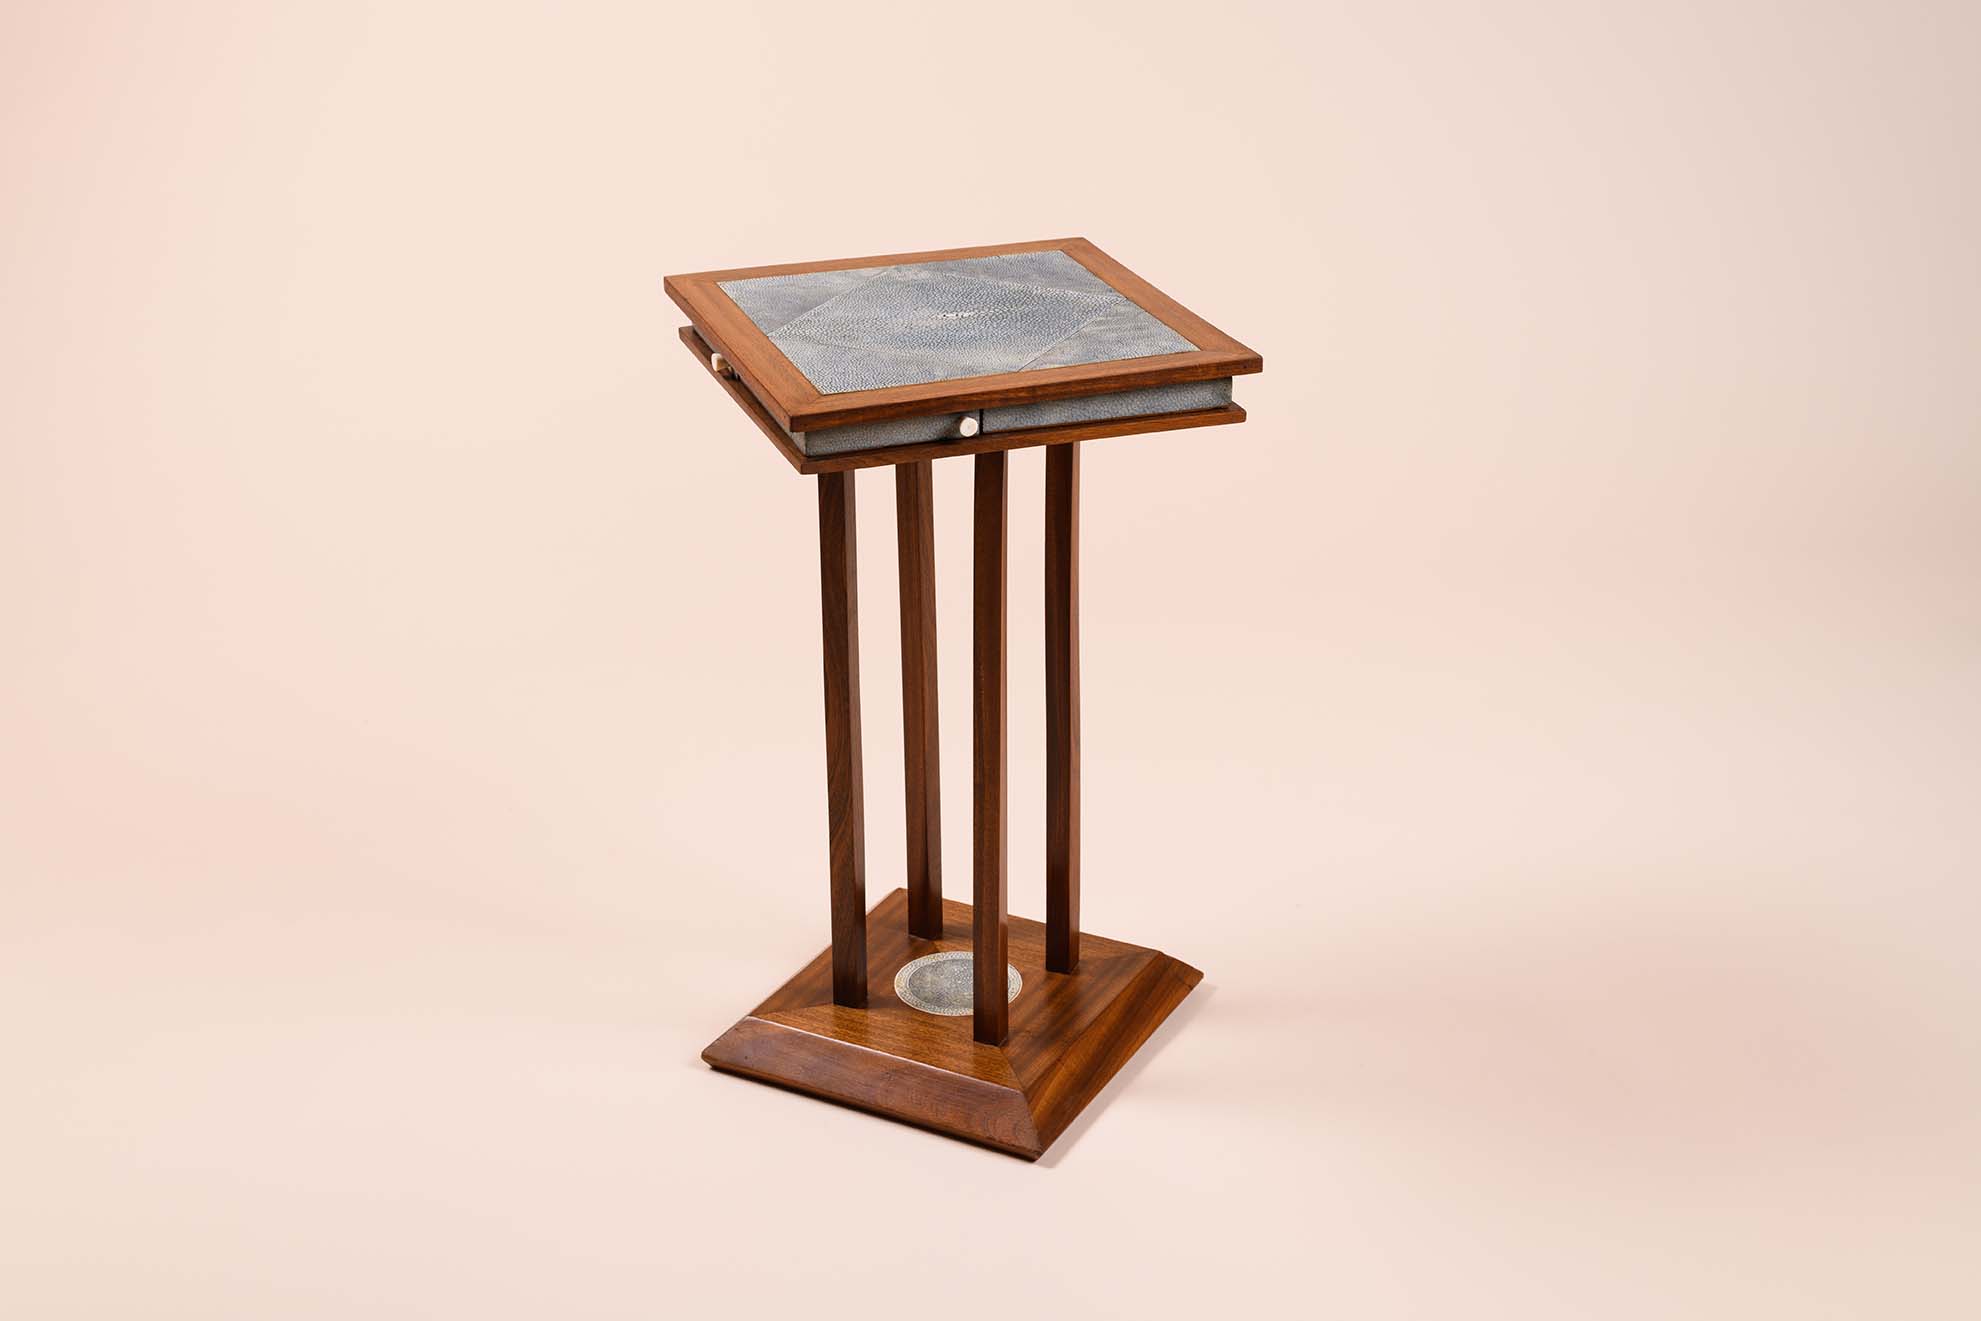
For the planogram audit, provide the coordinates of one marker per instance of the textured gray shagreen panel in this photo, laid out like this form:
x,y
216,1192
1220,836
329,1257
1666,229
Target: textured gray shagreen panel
x,y
940,983
1122,403
882,326
876,435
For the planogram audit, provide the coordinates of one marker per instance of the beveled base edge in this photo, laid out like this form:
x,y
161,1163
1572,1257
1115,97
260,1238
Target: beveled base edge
x,y
927,1097
888,1061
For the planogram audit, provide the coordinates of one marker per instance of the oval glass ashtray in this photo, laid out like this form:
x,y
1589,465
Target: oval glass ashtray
x,y
940,983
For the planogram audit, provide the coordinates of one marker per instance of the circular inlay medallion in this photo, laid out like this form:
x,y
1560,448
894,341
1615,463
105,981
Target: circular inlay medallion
x,y
940,983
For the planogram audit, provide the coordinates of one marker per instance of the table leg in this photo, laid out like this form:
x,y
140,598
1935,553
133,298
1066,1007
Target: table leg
x,y
914,521
1062,596
991,1019
839,609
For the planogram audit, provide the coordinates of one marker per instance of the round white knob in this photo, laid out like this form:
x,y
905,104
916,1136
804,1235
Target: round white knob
x,y
718,364
967,427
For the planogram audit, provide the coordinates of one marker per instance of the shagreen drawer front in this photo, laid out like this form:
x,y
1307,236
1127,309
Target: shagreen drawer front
x,y
1100,407
1016,417
895,431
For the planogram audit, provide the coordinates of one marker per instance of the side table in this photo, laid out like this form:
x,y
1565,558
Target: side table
x,y
956,1017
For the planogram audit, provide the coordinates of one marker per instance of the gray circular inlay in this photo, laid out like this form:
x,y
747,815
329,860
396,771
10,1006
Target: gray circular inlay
x,y
940,983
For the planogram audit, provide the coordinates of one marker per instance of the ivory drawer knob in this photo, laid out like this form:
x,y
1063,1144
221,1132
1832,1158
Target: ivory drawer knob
x,y
967,427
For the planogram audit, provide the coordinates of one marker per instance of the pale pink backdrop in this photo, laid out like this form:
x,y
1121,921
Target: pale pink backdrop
x,y
1551,722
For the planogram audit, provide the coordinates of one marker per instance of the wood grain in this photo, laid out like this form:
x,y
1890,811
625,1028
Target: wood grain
x,y
839,611
1069,1035
1062,636
988,785
746,401
768,377
921,744
805,1055
1059,1087
1158,304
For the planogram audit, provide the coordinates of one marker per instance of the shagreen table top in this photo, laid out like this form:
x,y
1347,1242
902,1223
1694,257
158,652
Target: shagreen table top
x,y
874,326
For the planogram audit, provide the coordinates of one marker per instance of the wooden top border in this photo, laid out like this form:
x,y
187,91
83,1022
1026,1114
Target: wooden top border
x,y
789,398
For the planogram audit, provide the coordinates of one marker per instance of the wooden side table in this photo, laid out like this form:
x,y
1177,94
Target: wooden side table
x,y
956,1017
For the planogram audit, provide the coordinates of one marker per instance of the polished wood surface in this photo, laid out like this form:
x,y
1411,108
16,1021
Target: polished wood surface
x,y
982,443
839,612
1062,597
988,781
914,523
795,405
746,401
1069,1035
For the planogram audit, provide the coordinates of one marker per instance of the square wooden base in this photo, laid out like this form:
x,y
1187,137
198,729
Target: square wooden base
x,y
1070,1033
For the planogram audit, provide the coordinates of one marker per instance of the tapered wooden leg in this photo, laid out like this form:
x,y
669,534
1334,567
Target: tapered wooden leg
x,y
1062,707
914,523
987,727
839,608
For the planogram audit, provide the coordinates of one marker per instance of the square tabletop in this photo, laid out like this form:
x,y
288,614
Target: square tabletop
x,y
871,339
